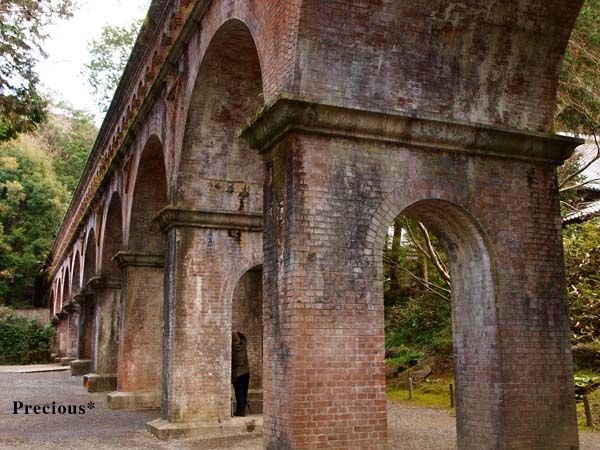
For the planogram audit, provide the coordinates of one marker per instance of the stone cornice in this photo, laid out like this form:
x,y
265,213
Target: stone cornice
x,y
289,114
171,217
138,259
96,283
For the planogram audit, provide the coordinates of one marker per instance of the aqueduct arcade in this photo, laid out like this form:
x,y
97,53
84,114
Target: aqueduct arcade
x,y
244,176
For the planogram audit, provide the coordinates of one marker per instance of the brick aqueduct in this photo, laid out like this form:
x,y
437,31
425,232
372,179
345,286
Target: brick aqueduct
x,y
244,178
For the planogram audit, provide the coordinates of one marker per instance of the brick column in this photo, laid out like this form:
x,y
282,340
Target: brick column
x,y
139,375
72,312
106,335
83,364
334,179
62,333
205,250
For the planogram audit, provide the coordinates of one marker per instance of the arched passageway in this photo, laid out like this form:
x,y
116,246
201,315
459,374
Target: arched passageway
x,y
213,231
87,310
140,347
107,291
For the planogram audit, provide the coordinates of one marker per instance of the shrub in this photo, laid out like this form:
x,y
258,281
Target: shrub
x,y
23,341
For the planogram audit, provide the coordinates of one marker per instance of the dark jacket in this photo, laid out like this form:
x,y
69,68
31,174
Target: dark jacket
x,y
239,359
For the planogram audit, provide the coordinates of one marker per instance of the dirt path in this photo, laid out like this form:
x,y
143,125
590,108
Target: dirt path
x,y
410,428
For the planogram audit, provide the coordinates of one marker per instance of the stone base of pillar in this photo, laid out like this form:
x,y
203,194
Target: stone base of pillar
x,y
67,360
136,400
237,426
80,367
95,382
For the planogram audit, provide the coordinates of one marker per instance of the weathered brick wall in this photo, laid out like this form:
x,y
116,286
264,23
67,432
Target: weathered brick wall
x,y
72,326
86,328
140,345
461,61
247,319
328,204
40,315
61,337
203,271
106,339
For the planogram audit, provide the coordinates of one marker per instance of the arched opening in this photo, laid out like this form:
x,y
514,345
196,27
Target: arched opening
x,y
66,296
112,240
220,179
474,327
89,260
76,282
246,318
108,295
218,168
142,265
87,311
149,197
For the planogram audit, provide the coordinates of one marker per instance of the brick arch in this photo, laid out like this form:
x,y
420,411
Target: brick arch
x,y
76,283
66,288
111,237
475,327
218,169
147,195
90,252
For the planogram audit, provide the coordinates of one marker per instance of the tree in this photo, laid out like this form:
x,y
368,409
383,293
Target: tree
x,y
32,204
22,24
107,60
68,136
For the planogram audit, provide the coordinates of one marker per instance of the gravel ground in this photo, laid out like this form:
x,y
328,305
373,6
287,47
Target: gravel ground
x,y
410,428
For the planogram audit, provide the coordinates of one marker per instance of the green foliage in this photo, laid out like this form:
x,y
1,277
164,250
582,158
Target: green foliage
x,y
107,59
23,341
582,264
578,105
417,304
68,137
22,24
32,204
405,357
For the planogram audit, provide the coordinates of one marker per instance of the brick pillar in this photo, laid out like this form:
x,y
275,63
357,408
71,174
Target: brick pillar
x,y
83,364
205,253
139,374
106,335
329,174
62,333
73,321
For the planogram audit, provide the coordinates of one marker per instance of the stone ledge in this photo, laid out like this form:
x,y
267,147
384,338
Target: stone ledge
x,y
236,426
290,114
172,216
136,400
80,367
138,259
95,382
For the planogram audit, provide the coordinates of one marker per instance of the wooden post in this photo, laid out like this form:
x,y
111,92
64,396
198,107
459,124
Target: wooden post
x,y
588,411
410,388
451,396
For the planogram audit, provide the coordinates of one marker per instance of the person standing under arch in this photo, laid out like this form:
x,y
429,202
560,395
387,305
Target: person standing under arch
x,y
240,372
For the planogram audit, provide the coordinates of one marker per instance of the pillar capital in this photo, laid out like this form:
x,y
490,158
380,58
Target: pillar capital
x,y
290,114
61,315
101,282
83,297
174,217
71,307
139,259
